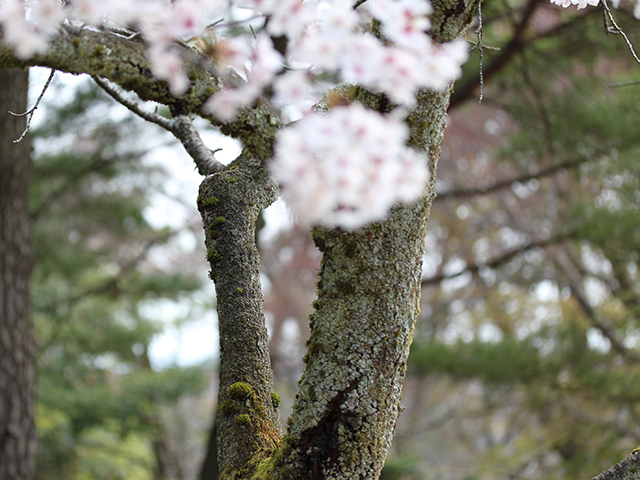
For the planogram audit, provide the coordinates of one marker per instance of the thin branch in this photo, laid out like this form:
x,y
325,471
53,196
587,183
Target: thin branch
x,y
574,282
617,30
540,104
501,184
204,158
181,127
480,52
623,84
29,113
496,261
464,92
132,105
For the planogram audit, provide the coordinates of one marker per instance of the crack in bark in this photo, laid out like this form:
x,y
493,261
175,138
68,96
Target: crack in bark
x,y
319,444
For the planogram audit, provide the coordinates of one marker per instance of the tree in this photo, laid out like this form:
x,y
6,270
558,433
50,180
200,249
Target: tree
x,y
348,399
520,214
349,396
17,357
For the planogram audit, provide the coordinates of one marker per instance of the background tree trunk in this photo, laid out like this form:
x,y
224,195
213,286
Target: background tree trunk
x,y
17,344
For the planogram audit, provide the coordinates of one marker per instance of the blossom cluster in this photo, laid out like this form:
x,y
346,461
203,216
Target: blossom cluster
x,y
382,45
583,4
347,168
579,3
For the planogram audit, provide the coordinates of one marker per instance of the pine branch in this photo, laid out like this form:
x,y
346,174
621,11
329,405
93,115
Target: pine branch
x,y
567,263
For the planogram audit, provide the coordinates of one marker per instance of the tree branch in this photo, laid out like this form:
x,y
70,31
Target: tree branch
x,y
464,92
627,469
124,62
496,261
117,59
133,106
458,193
248,427
181,127
574,282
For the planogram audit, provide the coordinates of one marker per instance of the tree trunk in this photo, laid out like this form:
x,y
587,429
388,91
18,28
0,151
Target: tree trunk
x,y
17,344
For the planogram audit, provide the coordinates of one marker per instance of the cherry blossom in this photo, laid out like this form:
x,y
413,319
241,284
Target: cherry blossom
x,y
579,3
348,167
344,168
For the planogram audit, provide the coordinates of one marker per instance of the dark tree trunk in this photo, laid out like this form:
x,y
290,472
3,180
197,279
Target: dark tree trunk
x,y
17,344
209,470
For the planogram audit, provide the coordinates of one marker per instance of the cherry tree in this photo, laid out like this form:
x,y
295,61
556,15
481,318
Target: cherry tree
x,y
341,107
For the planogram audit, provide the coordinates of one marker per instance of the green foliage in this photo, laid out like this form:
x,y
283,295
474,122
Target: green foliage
x,y
502,362
401,468
529,359
95,295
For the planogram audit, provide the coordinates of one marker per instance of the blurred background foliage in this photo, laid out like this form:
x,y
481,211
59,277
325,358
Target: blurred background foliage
x,y
106,282
526,360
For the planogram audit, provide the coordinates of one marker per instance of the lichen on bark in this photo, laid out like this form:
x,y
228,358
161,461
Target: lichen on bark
x,y
361,329
349,396
248,424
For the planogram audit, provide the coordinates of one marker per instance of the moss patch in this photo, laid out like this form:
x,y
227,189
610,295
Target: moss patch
x,y
240,391
243,419
212,255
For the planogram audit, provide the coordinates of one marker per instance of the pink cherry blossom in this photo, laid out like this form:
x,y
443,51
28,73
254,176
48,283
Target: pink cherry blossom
x,y
354,178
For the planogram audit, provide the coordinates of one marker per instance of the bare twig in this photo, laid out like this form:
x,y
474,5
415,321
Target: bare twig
x,y
480,51
29,113
181,127
494,262
623,84
506,183
614,28
135,107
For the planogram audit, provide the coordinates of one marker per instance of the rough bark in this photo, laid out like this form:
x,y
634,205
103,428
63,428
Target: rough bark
x,y
17,346
124,62
627,469
349,399
349,395
248,427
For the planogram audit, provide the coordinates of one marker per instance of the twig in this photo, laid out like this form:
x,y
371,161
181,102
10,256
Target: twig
x,y
29,113
135,107
480,50
181,127
495,262
506,183
616,29
623,84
